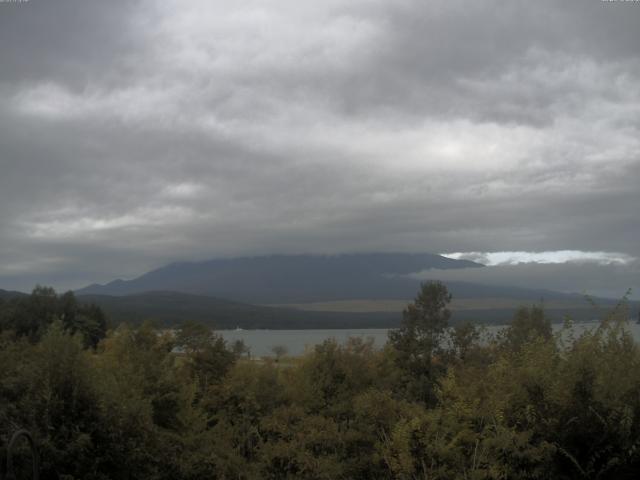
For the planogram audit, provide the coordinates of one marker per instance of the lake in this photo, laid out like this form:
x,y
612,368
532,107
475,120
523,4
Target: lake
x,y
297,341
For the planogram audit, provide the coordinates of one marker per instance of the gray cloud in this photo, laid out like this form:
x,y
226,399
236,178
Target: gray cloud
x,y
68,41
133,134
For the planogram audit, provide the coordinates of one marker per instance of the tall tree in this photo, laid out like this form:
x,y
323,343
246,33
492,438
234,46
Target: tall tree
x,y
419,338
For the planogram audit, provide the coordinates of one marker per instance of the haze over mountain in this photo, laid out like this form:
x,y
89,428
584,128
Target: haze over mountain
x,y
320,291
317,291
289,278
292,279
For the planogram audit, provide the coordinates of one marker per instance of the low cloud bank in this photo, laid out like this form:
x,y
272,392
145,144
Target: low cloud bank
x,y
607,280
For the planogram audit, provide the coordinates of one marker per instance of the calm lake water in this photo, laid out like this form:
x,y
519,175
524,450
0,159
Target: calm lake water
x,y
297,341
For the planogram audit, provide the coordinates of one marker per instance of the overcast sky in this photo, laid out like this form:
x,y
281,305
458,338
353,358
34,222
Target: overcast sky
x,y
134,134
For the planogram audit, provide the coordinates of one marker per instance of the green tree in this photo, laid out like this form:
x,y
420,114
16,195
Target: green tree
x,y
31,316
87,319
207,357
419,339
527,325
463,338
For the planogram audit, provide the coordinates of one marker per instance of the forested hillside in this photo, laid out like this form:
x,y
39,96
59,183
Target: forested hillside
x,y
138,403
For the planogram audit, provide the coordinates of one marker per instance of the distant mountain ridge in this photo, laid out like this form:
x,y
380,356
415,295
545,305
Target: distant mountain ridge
x,y
288,278
7,294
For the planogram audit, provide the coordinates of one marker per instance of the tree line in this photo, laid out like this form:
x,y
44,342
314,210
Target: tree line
x,y
434,402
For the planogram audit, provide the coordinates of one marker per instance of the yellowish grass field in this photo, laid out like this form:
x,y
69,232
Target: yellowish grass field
x,y
369,306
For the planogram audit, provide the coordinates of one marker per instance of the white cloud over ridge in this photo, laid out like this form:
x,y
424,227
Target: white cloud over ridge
x,y
558,256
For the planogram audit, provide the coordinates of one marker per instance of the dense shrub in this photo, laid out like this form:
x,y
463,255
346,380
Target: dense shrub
x,y
146,404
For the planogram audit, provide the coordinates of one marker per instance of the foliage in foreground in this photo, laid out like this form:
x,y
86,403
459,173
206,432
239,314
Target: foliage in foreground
x,y
525,404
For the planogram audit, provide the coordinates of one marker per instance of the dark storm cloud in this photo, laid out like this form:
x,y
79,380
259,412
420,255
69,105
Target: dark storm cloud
x,y
133,134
